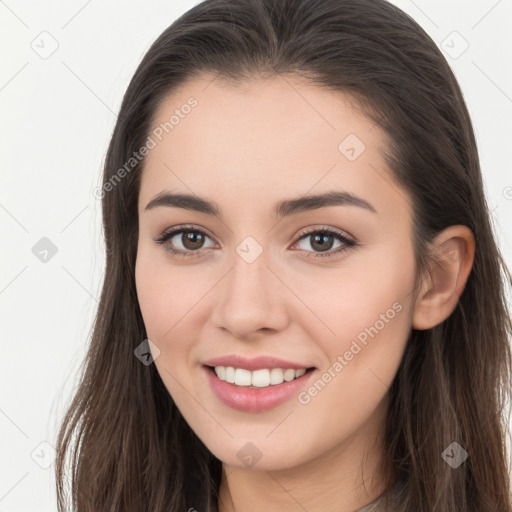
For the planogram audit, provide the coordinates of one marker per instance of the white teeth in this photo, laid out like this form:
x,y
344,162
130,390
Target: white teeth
x,y
289,374
257,378
221,372
242,377
276,376
260,378
230,374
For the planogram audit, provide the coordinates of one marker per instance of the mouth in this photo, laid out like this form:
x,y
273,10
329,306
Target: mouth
x,y
258,390
257,379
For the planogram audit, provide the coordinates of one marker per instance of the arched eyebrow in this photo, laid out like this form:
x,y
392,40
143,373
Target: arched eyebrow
x,y
284,208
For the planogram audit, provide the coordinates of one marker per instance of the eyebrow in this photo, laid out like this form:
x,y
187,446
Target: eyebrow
x,y
282,208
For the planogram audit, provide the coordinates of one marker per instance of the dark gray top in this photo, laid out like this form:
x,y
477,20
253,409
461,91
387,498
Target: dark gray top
x,y
377,505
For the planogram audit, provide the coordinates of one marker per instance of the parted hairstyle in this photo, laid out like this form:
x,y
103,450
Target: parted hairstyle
x,y
123,444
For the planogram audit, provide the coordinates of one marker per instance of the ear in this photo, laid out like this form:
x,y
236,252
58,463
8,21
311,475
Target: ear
x,y
453,252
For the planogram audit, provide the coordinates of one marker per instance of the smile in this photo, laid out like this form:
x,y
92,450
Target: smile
x,y
257,378
257,390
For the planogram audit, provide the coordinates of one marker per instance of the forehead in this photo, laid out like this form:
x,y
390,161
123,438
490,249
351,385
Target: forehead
x,y
262,140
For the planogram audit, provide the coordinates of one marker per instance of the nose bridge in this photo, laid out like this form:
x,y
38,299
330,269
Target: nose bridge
x,y
248,282
249,297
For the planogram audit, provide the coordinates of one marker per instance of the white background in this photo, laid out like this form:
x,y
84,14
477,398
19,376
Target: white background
x,y
57,115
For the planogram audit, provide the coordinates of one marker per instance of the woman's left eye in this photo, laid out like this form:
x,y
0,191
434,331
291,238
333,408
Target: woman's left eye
x,y
323,240
192,240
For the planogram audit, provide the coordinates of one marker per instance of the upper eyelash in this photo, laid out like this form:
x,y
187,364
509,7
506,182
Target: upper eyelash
x,y
174,231
348,242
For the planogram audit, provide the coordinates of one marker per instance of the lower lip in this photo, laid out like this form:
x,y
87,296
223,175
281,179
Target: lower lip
x,y
255,399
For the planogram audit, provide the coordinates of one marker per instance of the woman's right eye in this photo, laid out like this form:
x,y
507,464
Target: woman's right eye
x,y
190,238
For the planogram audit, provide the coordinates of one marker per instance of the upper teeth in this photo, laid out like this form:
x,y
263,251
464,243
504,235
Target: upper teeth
x,y
258,378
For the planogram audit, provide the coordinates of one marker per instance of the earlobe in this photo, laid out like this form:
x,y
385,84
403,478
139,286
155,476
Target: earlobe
x,y
453,253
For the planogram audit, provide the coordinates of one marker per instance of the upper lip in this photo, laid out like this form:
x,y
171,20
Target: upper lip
x,y
254,363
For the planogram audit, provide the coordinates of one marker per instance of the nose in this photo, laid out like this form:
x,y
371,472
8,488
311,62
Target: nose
x,y
250,300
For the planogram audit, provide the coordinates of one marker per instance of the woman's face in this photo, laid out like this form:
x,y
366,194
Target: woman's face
x,y
257,275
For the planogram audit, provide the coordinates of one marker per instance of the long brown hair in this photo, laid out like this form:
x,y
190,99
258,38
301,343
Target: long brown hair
x,y
128,446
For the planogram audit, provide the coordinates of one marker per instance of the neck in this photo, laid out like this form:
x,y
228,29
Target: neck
x,y
344,479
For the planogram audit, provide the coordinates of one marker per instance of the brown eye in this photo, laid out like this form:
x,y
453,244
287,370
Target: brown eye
x,y
183,240
192,240
321,241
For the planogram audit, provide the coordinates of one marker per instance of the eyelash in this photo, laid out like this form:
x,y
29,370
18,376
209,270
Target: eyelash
x,y
166,235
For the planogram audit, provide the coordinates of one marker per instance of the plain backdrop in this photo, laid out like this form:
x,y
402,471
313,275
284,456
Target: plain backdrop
x,y
64,69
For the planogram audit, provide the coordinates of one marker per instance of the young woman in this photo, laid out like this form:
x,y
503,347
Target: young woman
x,y
303,306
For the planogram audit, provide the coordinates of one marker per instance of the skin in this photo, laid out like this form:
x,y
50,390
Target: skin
x,y
246,147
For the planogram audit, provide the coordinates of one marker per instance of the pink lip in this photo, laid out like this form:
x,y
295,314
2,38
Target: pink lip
x,y
249,399
256,363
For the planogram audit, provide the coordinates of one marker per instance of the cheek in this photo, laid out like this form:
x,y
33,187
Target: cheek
x,y
354,299
371,318
164,300
165,295
152,296
170,299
